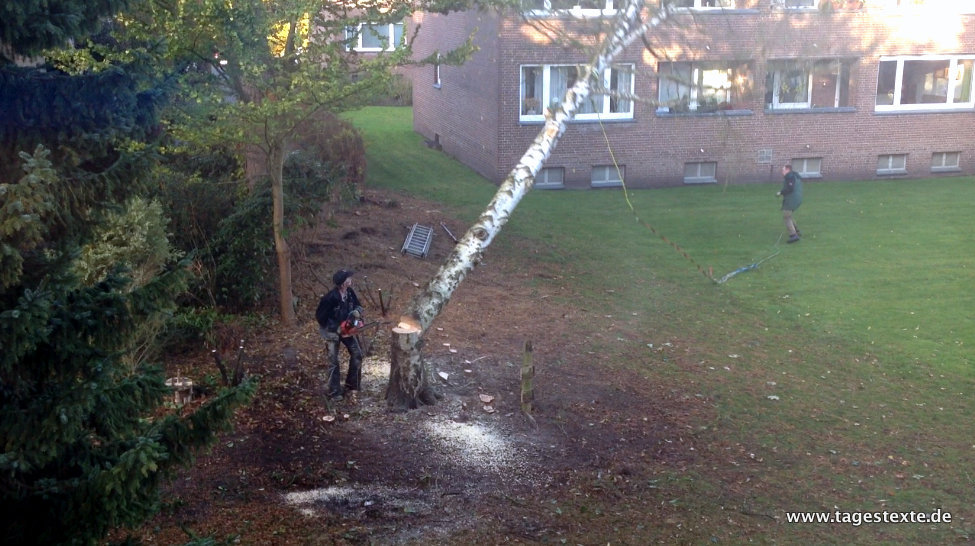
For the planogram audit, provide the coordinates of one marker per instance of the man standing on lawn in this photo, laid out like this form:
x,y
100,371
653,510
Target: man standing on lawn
x,y
791,193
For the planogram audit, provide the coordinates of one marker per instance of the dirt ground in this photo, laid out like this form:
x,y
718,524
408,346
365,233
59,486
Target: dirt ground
x,y
298,469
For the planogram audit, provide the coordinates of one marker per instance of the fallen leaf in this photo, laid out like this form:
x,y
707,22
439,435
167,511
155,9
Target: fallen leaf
x,y
486,398
489,409
328,418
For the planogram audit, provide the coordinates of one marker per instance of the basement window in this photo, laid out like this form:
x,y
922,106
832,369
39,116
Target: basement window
x,y
808,167
700,172
607,176
892,164
550,178
945,162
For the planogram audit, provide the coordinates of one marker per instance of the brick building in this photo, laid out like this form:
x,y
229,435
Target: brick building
x,y
732,90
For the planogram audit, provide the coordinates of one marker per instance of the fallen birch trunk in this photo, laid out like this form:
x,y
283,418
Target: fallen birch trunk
x,y
411,388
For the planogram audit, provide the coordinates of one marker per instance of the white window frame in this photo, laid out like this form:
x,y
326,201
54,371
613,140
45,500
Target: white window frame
x,y
696,86
954,68
940,162
698,7
576,10
711,178
891,168
958,6
608,176
796,4
777,84
809,70
436,73
550,178
391,44
808,167
603,100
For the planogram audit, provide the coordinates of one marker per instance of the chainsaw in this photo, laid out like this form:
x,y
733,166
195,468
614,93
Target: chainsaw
x,y
353,326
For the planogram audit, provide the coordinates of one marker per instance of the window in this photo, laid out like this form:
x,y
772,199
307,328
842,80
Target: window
x,y
892,164
794,4
550,177
945,161
808,167
702,4
765,157
543,86
925,83
700,172
960,6
375,37
605,176
436,72
700,87
580,7
812,84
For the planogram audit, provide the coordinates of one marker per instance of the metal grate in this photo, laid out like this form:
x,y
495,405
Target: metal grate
x,y
418,241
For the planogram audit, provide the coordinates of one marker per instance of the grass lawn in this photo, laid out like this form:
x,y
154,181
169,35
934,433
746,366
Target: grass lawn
x,y
840,368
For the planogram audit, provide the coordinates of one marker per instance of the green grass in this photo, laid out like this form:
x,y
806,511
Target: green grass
x,y
862,330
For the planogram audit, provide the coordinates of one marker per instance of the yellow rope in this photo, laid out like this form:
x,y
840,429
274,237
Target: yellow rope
x,y
708,273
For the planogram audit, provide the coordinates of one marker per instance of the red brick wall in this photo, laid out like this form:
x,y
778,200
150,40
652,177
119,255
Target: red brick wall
x,y
463,111
480,124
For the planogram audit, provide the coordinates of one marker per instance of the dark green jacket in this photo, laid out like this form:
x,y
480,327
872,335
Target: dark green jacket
x,y
791,191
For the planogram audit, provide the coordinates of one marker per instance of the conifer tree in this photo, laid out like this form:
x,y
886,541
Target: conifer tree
x,y
84,444
30,26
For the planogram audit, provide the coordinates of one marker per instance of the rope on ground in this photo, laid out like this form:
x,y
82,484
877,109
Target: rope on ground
x,y
708,273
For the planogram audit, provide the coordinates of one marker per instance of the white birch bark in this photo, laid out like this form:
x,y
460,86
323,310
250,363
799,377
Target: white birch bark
x,y
411,388
467,253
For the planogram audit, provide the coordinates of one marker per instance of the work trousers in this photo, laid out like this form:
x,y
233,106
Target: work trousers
x,y
790,223
354,375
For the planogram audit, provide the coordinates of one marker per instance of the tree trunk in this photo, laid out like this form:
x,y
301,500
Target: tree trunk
x,y
275,160
409,384
428,304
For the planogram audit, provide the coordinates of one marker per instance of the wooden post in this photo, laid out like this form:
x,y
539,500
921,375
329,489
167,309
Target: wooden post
x,y
527,380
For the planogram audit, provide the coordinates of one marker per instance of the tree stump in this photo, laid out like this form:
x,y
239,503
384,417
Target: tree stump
x,y
409,385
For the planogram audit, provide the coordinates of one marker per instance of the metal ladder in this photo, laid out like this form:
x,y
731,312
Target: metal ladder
x,y
418,241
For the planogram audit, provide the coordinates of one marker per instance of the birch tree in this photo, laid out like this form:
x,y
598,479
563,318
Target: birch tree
x,y
409,381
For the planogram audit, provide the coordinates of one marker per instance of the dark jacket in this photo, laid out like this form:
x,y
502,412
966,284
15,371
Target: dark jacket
x,y
791,191
332,310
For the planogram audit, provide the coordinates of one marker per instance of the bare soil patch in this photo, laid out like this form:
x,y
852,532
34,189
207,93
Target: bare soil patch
x,y
298,469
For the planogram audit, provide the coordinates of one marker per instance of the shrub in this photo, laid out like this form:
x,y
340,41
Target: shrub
x,y
135,238
335,142
242,251
398,92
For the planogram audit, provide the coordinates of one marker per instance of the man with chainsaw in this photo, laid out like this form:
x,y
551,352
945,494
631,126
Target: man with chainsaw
x,y
339,316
